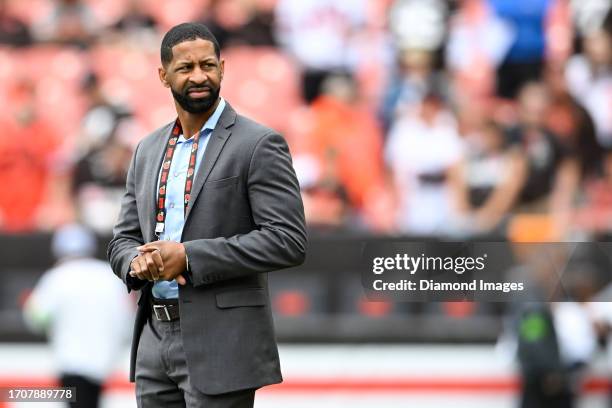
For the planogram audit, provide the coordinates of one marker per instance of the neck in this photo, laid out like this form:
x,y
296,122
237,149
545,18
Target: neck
x,y
193,122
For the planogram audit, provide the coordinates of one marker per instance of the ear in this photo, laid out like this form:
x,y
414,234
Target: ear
x,y
162,76
221,69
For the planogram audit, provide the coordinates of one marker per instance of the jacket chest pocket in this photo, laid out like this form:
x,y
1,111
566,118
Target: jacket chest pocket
x,y
222,183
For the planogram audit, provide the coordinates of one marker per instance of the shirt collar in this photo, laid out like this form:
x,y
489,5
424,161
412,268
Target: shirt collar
x,y
211,123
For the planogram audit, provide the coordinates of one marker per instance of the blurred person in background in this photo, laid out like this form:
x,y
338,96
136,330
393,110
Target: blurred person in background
x,y
553,170
576,131
478,42
71,22
549,329
98,178
417,29
573,125
590,14
101,118
241,23
415,77
589,80
342,134
136,25
556,342
600,309
30,167
422,149
85,311
418,24
488,180
136,18
320,34
13,31
525,59
594,215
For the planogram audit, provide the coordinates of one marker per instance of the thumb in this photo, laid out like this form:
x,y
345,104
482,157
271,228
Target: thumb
x,y
181,280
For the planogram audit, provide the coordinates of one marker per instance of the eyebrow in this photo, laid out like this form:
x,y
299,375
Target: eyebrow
x,y
189,62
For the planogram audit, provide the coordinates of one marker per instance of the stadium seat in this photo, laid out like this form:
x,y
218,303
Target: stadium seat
x,y
170,13
31,11
55,72
108,11
261,82
294,296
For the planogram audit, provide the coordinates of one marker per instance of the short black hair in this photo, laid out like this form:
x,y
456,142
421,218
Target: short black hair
x,y
185,32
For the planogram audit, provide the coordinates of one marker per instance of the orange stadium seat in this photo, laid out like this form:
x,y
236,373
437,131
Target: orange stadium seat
x,y
532,228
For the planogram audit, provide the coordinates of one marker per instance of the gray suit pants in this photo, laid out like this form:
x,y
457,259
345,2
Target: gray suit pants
x,y
162,379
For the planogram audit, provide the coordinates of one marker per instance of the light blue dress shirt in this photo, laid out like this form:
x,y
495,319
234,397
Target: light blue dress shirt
x,y
175,190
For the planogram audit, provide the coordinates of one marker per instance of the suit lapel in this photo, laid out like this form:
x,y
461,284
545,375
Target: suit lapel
x,y
217,140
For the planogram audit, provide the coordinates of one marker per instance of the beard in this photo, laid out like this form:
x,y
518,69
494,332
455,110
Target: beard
x,y
196,105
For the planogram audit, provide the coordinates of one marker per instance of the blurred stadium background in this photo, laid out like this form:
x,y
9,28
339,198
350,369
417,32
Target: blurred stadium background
x,y
414,119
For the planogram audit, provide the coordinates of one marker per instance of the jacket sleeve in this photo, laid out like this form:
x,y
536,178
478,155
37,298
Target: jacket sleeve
x,y
127,235
279,239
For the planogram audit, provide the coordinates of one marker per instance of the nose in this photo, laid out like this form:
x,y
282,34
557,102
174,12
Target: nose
x,y
198,76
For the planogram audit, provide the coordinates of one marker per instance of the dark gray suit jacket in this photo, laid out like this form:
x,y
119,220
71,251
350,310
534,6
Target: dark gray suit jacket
x,y
245,217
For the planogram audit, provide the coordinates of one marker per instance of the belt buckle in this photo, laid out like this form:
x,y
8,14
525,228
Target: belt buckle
x,y
157,310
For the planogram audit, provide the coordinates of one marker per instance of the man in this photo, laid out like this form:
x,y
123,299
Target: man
x,y
83,308
212,203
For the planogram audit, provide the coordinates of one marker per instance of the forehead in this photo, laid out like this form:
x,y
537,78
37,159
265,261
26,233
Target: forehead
x,y
193,50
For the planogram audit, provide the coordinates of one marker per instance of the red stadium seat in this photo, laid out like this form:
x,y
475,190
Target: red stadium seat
x,y
108,11
262,83
170,13
55,73
31,11
291,303
129,77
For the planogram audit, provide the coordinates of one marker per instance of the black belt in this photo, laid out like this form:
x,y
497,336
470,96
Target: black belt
x,y
165,310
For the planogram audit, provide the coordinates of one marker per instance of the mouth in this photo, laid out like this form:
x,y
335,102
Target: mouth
x,y
198,92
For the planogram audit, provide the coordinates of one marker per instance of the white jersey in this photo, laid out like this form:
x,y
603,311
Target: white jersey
x,y
415,149
87,312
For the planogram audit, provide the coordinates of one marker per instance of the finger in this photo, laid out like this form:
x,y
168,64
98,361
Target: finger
x,y
151,246
159,261
135,269
181,280
144,268
152,266
136,275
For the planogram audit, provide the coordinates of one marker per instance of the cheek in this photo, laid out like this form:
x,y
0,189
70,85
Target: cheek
x,y
178,84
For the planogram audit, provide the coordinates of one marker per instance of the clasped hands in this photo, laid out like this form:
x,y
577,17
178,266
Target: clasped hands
x,y
160,260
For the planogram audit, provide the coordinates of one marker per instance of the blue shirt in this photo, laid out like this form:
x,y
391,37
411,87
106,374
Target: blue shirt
x,y
528,19
175,190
